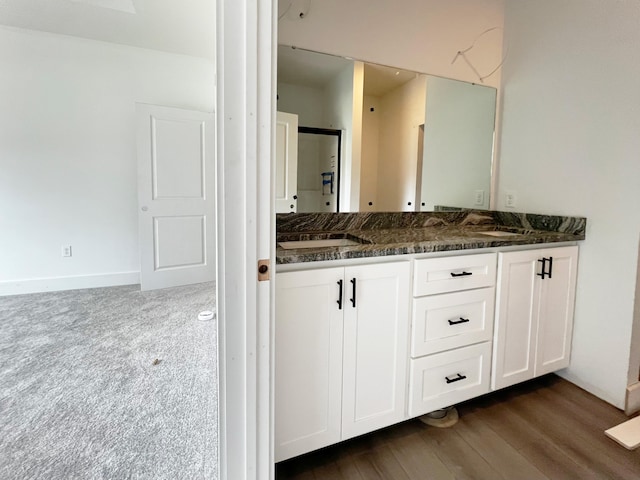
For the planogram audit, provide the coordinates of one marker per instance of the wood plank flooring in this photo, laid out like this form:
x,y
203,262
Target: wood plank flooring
x,y
543,429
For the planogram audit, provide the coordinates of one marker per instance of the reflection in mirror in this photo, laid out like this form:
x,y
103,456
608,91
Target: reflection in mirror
x,y
318,169
411,141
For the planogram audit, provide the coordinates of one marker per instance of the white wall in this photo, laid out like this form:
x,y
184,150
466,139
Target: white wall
x,y
306,102
369,153
68,167
309,180
458,143
343,111
402,113
571,145
420,35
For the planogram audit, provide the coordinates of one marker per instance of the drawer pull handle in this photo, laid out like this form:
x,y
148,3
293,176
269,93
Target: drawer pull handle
x,y
457,379
463,274
458,322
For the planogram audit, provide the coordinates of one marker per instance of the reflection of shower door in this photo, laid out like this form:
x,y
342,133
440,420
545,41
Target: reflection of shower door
x,y
318,169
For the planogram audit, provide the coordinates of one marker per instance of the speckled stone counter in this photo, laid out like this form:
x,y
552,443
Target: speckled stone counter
x,y
400,233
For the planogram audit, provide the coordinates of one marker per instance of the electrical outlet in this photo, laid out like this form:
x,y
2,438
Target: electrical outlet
x,y
510,199
66,250
479,197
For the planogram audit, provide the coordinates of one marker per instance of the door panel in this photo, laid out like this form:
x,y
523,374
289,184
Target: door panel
x,y
286,162
375,347
516,311
179,241
557,296
177,140
176,195
308,361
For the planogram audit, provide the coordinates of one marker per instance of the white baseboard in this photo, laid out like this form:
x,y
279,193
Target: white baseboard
x,y
632,400
54,284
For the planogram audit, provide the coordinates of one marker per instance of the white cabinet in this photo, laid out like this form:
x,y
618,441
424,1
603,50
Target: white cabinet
x,y
451,330
451,274
362,347
441,380
341,343
308,361
534,313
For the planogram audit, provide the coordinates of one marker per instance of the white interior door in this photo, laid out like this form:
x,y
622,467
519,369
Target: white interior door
x,y
176,196
286,162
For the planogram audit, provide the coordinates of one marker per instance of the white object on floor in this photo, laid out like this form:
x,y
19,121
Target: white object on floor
x,y
206,315
444,418
626,434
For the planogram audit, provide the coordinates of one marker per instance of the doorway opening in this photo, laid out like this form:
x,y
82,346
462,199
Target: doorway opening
x,y
319,163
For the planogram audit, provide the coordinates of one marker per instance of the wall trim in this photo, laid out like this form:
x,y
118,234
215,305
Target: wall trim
x,y
632,399
55,284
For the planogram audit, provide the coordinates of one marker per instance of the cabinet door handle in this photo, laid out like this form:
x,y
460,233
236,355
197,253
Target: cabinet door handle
x,y
339,294
459,377
544,271
463,274
353,294
457,322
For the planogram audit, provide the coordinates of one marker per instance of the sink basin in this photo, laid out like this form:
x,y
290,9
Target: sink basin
x,y
499,233
328,242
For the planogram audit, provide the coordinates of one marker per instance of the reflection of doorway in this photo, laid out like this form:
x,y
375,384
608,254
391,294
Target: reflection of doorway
x,y
319,169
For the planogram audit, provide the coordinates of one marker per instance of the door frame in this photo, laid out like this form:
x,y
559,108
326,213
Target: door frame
x,y
245,97
333,133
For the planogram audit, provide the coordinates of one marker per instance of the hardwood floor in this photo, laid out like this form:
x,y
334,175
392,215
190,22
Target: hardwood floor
x,y
543,429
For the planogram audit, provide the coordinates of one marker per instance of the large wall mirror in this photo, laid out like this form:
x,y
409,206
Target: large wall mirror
x,y
377,138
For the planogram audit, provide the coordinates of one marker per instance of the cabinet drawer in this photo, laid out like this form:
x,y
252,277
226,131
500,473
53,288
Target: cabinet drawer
x,y
447,378
450,274
451,320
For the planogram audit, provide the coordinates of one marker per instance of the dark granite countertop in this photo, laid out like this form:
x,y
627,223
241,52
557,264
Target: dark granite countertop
x,y
382,234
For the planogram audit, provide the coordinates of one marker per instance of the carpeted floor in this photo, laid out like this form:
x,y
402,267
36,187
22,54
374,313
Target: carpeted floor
x,y
109,383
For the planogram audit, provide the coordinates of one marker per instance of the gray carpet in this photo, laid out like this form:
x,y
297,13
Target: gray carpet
x,y
109,383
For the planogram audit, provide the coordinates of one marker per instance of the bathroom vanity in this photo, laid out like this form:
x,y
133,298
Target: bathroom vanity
x,y
382,317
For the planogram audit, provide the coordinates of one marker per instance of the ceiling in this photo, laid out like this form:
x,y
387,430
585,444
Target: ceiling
x,y
182,27
379,79
303,67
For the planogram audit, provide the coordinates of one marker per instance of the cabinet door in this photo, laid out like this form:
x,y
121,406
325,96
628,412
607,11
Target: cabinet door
x,y
308,361
375,347
515,323
555,314
534,315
